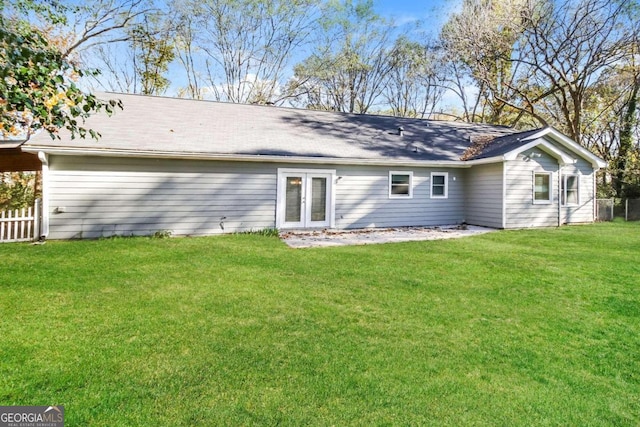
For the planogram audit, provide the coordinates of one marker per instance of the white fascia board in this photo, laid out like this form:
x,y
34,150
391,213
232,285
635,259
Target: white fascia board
x,y
543,145
496,159
245,157
9,143
567,142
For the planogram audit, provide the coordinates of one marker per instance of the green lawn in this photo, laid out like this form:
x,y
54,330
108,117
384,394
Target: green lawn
x,y
514,328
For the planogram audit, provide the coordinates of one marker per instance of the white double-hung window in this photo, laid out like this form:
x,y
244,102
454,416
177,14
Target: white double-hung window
x,y
400,185
570,192
542,191
439,185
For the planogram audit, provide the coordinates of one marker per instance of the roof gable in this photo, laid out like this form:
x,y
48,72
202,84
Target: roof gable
x,y
568,143
549,139
545,146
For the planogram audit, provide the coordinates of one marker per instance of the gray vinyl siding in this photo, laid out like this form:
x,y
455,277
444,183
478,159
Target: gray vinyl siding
x,y
484,185
103,196
521,211
362,199
91,197
584,211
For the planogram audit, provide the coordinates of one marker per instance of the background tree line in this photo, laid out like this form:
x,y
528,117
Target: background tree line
x,y
571,64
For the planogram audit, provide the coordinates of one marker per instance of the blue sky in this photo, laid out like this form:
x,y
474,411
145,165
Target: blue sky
x,y
433,13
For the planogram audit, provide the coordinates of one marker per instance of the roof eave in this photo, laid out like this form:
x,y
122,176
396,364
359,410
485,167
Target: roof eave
x,y
242,157
11,144
487,160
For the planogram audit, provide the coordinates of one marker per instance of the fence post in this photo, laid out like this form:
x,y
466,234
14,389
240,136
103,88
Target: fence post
x,y
626,210
613,202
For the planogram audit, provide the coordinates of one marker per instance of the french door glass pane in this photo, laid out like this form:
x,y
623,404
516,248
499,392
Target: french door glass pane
x,y
318,199
294,199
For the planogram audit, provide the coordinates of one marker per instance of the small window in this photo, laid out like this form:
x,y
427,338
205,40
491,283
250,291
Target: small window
x,y
400,184
570,190
439,185
542,187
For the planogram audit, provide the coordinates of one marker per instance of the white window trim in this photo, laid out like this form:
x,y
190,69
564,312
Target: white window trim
x,y
533,192
446,185
563,191
401,196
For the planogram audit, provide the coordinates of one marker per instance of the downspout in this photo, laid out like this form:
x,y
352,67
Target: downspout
x,y
594,209
44,159
504,194
559,194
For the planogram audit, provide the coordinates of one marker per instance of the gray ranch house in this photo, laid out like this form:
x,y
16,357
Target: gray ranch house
x,y
201,168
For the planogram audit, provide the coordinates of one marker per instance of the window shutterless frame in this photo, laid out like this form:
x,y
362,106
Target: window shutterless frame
x,y
439,185
400,185
542,188
570,191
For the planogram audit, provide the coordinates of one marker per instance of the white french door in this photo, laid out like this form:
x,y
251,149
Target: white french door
x,y
305,198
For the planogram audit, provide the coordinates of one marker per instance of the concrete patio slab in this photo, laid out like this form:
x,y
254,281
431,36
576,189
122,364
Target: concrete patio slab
x,y
370,236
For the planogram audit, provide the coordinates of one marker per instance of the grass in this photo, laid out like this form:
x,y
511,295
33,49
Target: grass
x,y
514,328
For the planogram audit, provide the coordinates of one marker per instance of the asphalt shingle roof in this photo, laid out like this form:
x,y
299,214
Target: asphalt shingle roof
x,y
503,144
159,124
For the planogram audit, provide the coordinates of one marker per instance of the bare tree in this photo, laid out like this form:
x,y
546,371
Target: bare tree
x,y
138,61
414,84
480,42
101,22
540,59
567,48
186,53
348,71
106,36
243,47
117,69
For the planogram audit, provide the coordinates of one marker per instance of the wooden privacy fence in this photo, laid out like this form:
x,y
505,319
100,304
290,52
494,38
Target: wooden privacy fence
x,y
20,225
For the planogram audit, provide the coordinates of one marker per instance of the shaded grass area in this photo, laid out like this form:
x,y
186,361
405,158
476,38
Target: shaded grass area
x,y
510,328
